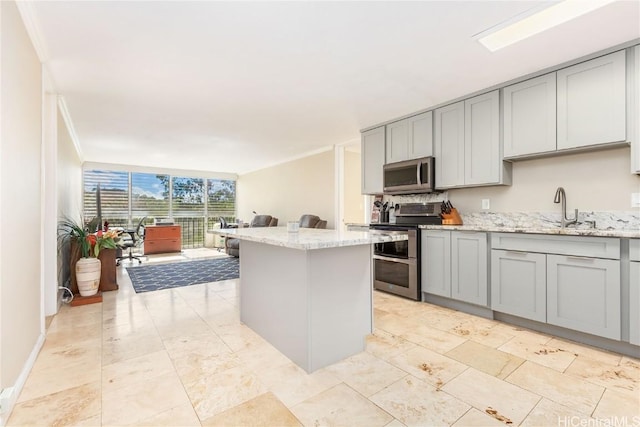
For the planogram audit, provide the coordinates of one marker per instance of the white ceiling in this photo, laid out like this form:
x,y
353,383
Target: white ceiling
x,y
236,86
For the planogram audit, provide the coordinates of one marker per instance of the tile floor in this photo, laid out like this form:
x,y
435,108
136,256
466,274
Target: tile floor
x,y
181,357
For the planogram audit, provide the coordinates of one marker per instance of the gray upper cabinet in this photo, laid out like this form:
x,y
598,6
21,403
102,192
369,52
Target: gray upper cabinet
x,y
436,262
420,134
592,102
584,294
397,145
530,117
410,138
634,113
449,145
372,157
467,143
469,267
519,284
482,151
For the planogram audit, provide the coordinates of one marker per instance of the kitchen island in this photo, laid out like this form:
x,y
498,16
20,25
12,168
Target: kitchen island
x,y
308,293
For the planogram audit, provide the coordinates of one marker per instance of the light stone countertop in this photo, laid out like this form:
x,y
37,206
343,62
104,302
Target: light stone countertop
x,y
308,238
568,231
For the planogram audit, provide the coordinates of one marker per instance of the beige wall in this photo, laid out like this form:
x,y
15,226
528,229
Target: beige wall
x,y
20,206
594,181
69,188
353,200
288,190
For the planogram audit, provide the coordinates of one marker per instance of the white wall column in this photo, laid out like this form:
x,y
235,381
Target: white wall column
x,y
49,201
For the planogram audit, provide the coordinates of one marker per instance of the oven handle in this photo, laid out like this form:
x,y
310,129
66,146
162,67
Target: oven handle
x,y
408,261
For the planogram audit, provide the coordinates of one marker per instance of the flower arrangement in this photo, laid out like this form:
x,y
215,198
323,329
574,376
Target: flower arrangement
x,y
90,243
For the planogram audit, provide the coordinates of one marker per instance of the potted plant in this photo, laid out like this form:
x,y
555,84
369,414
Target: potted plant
x,y
88,267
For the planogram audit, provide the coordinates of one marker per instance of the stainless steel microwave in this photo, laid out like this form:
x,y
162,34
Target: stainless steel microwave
x,y
410,176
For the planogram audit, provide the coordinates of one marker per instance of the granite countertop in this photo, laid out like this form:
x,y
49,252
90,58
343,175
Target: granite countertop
x,y
308,238
568,231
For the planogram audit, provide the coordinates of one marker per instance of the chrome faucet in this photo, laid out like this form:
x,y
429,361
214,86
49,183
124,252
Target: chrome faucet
x,y
561,197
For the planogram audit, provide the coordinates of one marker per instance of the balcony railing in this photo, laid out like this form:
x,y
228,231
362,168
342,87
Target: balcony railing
x,y
193,228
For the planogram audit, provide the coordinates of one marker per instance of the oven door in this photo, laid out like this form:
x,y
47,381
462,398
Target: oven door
x,y
395,275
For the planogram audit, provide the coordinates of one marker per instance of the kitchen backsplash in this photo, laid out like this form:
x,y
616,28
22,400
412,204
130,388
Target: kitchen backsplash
x,y
614,220
604,220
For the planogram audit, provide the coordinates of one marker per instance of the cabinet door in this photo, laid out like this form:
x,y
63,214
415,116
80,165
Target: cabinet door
x,y
482,154
591,102
634,303
519,284
449,145
530,116
436,262
420,134
584,294
372,160
634,117
469,267
397,142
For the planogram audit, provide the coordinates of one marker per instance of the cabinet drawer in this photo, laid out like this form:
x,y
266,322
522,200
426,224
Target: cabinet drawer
x,y
161,245
584,294
595,247
634,249
162,232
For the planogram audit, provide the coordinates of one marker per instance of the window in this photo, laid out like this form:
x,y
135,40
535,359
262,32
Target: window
x,y
127,197
114,196
221,200
188,197
149,196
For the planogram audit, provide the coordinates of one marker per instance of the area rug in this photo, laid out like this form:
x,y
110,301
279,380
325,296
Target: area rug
x,y
148,278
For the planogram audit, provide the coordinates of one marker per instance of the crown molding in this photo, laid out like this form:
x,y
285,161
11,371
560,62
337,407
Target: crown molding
x,y
62,105
32,26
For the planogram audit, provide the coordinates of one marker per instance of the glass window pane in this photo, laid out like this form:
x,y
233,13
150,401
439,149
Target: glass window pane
x,y
149,196
188,197
221,200
114,196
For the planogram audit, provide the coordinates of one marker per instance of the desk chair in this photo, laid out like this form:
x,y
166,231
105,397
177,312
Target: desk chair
x,y
136,240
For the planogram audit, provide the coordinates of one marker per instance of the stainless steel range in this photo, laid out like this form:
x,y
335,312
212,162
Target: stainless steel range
x,y
396,265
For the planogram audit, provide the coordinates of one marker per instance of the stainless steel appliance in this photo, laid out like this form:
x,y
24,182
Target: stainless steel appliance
x,y
396,265
409,177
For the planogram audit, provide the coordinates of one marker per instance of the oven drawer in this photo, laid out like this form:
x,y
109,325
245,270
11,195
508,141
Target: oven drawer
x,y
399,277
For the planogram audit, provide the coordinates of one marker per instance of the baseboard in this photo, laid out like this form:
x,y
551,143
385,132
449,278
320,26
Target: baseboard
x,y
10,396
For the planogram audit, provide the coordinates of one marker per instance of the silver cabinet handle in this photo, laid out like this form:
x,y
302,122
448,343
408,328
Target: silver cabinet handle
x,y
517,253
581,259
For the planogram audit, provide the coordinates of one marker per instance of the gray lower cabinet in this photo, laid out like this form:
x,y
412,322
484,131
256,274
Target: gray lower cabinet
x,y
469,267
584,294
634,291
436,262
519,284
634,303
454,265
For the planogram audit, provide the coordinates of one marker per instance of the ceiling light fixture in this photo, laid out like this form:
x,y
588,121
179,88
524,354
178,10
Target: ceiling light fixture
x,y
536,21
